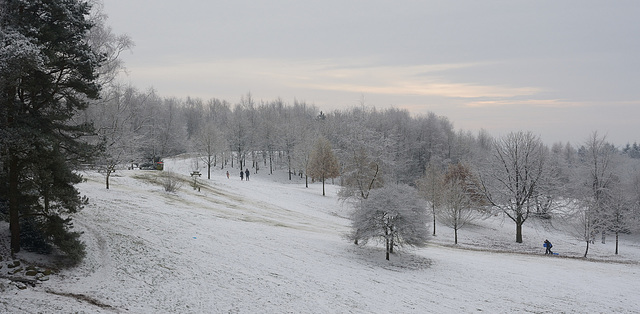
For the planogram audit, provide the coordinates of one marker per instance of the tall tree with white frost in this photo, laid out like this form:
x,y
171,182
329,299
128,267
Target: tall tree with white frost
x,y
118,118
459,196
323,164
239,132
431,188
597,180
599,177
362,151
393,215
47,75
620,212
510,177
302,151
208,142
218,113
104,41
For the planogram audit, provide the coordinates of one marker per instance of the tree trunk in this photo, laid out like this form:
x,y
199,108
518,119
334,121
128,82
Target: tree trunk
x,y
323,185
209,171
434,224
387,254
617,238
455,236
587,250
270,162
108,175
519,228
519,233
14,208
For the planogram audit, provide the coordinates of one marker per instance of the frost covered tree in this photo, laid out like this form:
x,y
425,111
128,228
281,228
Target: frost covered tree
x,y
598,190
620,210
361,174
431,188
582,224
459,196
116,114
192,110
633,188
47,75
558,184
270,132
209,142
240,131
323,164
456,209
393,215
104,41
298,131
599,177
218,113
119,117
170,137
363,155
511,176
302,152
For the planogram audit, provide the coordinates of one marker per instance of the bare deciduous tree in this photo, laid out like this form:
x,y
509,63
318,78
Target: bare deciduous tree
x,y
582,223
209,141
604,190
510,178
598,178
323,164
362,152
118,120
430,187
459,196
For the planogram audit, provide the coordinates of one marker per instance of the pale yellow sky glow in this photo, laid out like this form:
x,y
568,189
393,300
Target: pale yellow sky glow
x,y
548,103
333,75
559,69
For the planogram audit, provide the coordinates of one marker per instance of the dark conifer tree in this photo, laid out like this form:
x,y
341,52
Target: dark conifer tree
x,y
47,75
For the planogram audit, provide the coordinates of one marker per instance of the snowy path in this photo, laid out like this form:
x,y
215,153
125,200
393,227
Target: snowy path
x,y
265,247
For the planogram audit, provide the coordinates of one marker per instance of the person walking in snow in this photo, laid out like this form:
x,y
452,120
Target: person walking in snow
x,y
548,245
246,173
227,174
241,175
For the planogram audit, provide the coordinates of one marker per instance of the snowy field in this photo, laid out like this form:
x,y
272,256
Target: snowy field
x,y
270,245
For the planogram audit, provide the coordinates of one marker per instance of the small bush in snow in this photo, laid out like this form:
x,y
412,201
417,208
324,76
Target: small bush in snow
x,y
171,182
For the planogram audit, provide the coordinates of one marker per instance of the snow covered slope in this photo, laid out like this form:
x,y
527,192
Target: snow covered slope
x,y
270,245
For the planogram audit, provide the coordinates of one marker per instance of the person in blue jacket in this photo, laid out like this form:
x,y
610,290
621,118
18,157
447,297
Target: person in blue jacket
x,y
548,245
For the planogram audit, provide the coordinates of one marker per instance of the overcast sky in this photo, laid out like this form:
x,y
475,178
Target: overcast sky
x,y
561,69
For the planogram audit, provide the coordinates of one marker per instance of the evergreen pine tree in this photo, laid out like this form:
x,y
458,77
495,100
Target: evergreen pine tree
x,y
47,75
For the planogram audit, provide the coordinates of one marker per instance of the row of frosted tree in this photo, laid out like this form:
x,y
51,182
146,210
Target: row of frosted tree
x,y
136,126
462,176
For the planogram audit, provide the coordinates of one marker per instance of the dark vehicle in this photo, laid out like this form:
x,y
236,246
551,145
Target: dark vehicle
x,y
152,166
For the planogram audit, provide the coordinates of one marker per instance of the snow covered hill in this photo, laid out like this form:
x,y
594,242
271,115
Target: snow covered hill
x,y
270,245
